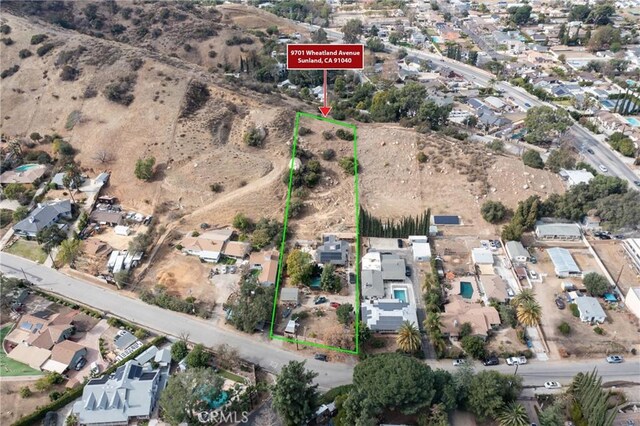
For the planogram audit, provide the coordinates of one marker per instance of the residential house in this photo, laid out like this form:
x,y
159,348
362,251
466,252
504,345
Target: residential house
x,y
632,301
420,248
495,288
43,216
380,269
333,251
516,251
387,315
575,177
610,123
267,264
290,296
237,249
107,217
163,357
591,222
131,393
208,246
558,231
25,174
33,356
631,247
483,319
563,263
590,310
483,260
42,332
65,355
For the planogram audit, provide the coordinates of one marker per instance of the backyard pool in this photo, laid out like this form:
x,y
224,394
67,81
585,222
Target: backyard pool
x,y
400,294
633,121
436,39
26,167
217,403
315,283
466,290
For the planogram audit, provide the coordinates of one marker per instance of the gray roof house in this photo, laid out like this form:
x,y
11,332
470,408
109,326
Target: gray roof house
x,y
393,268
387,315
290,295
332,251
590,310
558,231
43,216
130,393
372,283
516,251
563,262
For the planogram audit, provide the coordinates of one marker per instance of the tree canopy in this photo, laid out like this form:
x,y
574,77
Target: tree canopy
x,y
596,284
294,394
186,394
493,211
144,168
252,305
532,158
352,31
543,124
489,391
299,267
329,280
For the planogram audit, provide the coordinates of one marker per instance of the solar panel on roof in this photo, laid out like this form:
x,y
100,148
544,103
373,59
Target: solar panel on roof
x,y
99,381
446,220
134,371
148,375
37,327
25,325
119,373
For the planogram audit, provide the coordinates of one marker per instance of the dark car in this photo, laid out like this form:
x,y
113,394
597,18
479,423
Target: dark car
x,y
400,243
319,300
590,151
492,360
320,357
636,182
80,364
286,313
407,271
560,303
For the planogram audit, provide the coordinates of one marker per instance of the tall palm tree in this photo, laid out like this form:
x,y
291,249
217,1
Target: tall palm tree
x,y
432,325
432,322
525,295
513,414
408,337
529,313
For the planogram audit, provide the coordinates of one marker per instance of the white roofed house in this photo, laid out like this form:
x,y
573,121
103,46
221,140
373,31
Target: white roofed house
x,y
516,251
574,177
590,310
563,263
208,246
420,248
483,260
558,231
387,315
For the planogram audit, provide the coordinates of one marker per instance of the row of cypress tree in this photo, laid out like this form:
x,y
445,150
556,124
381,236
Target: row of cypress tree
x,y
371,226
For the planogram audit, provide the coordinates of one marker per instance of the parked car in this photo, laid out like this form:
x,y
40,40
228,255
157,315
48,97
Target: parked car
x,y
552,385
458,362
319,300
636,182
516,360
492,360
603,168
590,151
95,368
533,260
335,305
560,303
400,243
407,271
320,357
615,359
81,363
527,104
286,313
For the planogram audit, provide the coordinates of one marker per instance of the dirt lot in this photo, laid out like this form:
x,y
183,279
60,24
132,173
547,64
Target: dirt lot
x,y
505,340
14,406
612,255
621,330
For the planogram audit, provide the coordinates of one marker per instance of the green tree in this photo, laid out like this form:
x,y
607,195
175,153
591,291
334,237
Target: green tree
x,y
561,158
253,304
299,267
520,15
50,237
35,136
352,31
529,313
25,392
199,357
348,165
242,222
20,213
69,251
513,414
187,394
329,280
603,37
552,415
294,394
144,168
489,391
265,232
493,211
579,12
179,350
596,284
394,381
526,295
544,123
564,328
319,36
408,338
14,191
344,313
532,158
474,346
374,44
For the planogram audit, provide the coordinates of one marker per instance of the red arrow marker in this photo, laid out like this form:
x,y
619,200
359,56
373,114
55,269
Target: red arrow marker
x,y
325,110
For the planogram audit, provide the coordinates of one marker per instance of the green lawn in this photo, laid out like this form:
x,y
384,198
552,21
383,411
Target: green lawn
x,y
229,375
27,249
10,367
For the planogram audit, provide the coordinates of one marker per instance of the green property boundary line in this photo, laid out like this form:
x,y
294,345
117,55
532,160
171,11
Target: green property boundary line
x,y
284,238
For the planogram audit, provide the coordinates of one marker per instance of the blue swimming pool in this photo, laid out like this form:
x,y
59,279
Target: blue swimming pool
x,y
315,282
400,294
466,290
633,121
218,402
436,39
26,167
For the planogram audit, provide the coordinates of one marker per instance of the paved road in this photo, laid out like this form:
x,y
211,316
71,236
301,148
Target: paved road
x,y
258,349
578,134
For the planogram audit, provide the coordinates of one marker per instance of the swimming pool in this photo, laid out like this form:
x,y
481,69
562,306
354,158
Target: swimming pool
x,y
607,104
466,290
436,39
633,121
26,167
400,294
217,403
315,282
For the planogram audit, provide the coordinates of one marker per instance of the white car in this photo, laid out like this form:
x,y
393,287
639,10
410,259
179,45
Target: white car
x,y
458,362
602,168
516,360
552,385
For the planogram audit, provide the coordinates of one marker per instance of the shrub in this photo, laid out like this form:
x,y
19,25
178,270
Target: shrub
x,y
348,165
55,395
10,71
144,168
119,91
564,328
237,40
421,157
598,330
216,187
327,135
7,41
5,29
304,131
69,73
328,154
25,392
44,49
254,137
62,147
574,310
24,53
38,38
532,158
493,211
212,54
344,134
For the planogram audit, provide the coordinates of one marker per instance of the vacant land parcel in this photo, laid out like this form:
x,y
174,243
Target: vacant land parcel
x,y
316,301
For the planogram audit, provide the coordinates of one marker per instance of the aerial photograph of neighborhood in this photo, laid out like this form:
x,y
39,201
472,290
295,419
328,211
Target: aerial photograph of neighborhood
x,y
320,212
